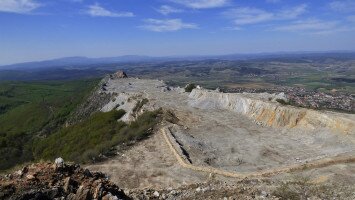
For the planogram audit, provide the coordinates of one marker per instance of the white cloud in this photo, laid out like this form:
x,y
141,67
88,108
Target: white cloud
x,y
332,31
166,25
273,1
247,15
166,10
18,6
292,12
97,11
309,25
343,6
202,4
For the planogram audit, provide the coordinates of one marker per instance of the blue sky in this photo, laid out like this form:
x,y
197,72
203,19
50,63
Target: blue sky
x,y
44,29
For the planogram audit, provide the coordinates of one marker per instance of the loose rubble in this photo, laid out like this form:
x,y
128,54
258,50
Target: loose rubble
x,y
62,181
58,181
204,191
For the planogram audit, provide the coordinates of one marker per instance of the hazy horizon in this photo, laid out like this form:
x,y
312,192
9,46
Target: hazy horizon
x,y
34,30
274,53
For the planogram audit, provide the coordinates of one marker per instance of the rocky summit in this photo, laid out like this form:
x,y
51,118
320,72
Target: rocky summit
x,y
119,74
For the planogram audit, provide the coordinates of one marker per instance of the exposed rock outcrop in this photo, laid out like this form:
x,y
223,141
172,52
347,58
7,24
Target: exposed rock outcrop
x,y
259,108
58,181
126,102
119,74
97,99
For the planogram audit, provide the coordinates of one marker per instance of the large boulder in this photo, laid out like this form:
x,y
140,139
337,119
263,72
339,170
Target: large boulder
x,y
59,162
118,74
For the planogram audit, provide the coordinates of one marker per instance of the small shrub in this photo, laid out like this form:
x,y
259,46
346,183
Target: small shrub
x,y
117,106
89,155
189,87
140,104
297,189
169,116
281,101
285,192
240,161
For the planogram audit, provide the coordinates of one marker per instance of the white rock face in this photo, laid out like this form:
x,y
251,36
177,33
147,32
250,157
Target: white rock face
x,y
259,107
271,113
122,101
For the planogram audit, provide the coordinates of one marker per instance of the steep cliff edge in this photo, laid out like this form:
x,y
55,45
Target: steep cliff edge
x,y
259,108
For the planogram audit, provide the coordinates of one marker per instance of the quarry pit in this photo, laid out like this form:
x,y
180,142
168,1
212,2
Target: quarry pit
x,y
241,134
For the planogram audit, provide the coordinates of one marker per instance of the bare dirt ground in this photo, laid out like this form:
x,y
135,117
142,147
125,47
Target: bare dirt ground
x,y
150,163
219,139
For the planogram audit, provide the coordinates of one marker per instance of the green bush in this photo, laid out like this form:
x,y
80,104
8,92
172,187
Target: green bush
x,y
281,101
189,87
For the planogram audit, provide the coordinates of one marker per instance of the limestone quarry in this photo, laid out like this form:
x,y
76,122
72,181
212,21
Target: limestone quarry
x,y
210,145
226,135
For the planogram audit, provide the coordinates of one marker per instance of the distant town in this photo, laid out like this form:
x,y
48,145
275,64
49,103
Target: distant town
x,y
301,97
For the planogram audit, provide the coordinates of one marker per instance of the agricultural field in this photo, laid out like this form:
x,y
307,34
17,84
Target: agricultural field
x,y
312,75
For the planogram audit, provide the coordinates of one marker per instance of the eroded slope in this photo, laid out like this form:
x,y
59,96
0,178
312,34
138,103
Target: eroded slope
x,y
260,108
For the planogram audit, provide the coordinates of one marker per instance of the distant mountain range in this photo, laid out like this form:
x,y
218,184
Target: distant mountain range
x,y
77,61
84,62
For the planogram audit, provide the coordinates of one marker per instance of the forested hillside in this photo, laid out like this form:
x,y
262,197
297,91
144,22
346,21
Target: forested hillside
x,y
31,110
